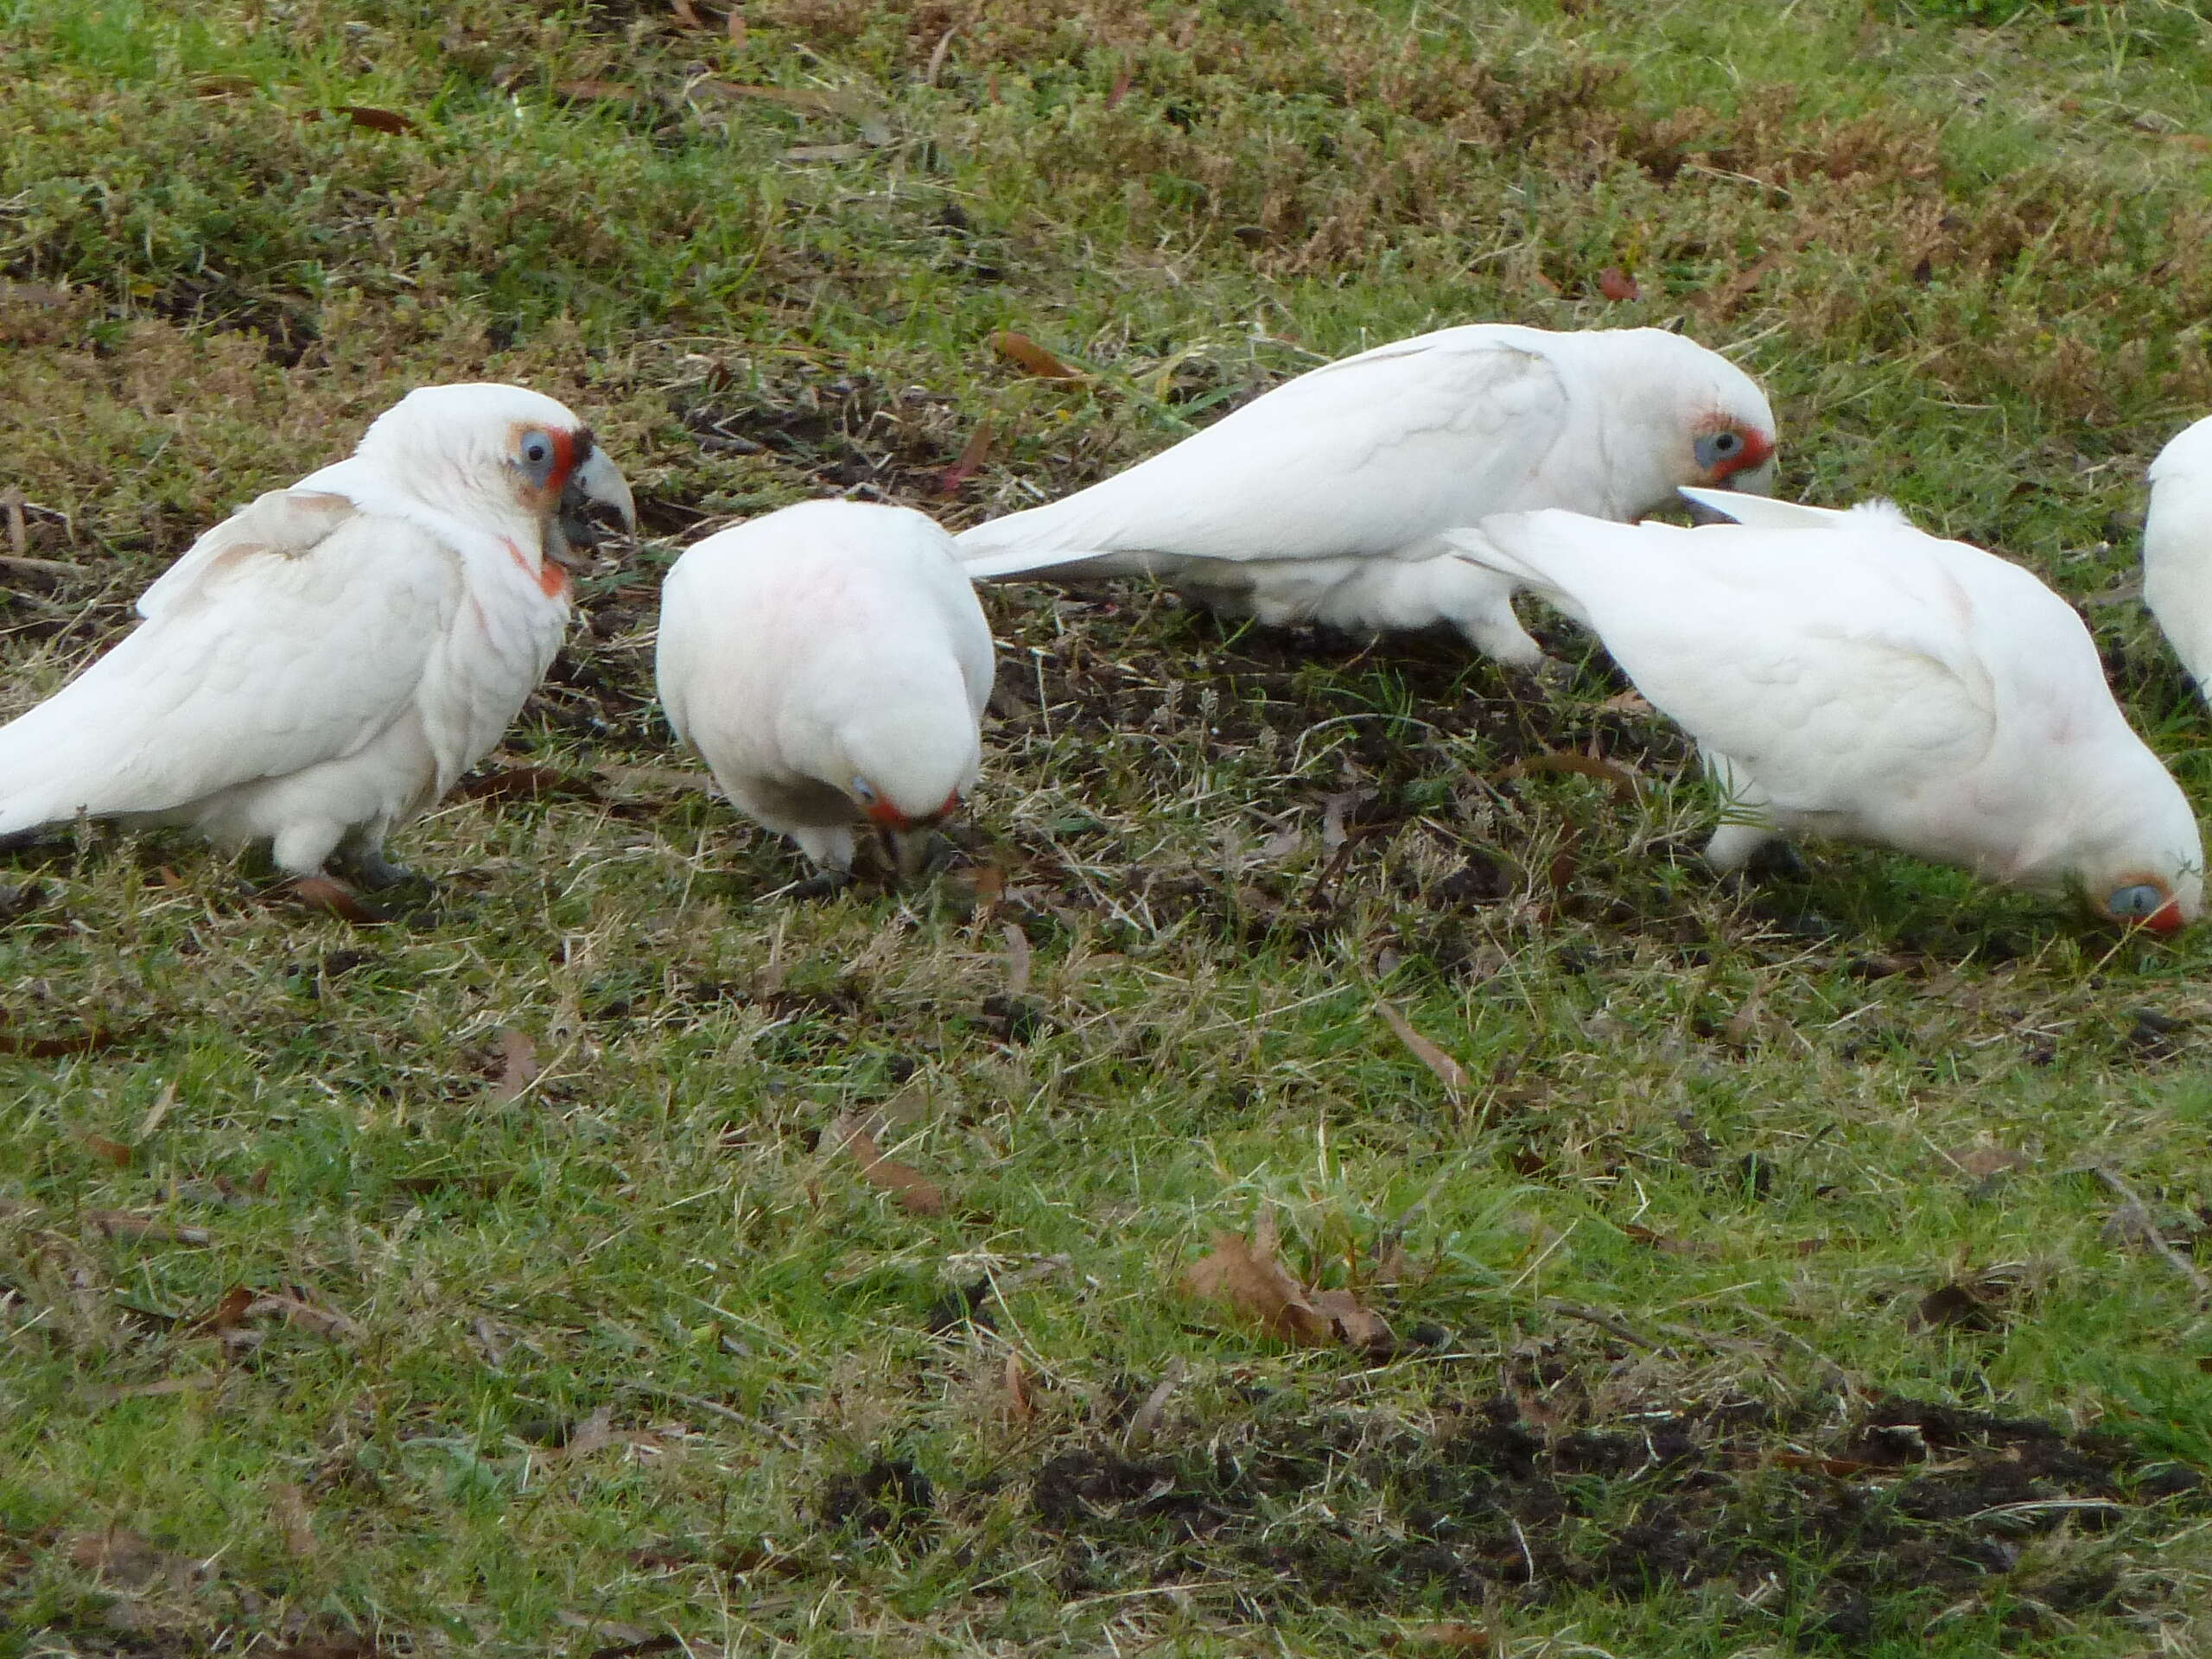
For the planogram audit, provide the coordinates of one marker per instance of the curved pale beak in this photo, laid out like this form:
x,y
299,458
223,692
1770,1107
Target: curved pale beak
x,y
596,501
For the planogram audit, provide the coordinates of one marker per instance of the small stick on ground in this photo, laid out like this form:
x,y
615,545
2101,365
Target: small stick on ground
x,y
2134,1217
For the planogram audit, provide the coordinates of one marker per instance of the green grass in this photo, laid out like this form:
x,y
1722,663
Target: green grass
x,y
638,1351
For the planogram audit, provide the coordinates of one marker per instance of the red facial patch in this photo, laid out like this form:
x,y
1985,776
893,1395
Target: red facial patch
x,y
884,816
2166,918
1758,450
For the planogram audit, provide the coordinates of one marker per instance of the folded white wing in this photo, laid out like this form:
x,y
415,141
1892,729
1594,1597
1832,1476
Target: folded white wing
x,y
1359,457
1819,661
291,633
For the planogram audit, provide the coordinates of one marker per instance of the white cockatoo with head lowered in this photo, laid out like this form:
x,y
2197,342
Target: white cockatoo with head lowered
x,y
1846,674
1326,498
2177,548
829,662
325,663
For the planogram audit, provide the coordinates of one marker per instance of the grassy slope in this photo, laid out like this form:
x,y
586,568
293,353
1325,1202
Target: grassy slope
x,y
1722,1126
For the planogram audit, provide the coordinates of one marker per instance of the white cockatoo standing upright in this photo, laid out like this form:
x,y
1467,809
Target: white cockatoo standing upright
x,y
1846,674
2177,548
324,664
1326,499
830,664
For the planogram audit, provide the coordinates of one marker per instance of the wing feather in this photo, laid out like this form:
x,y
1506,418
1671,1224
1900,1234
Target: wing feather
x,y
1359,457
291,635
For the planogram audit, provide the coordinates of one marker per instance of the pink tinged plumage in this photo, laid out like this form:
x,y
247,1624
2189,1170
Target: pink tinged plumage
x,y
327,662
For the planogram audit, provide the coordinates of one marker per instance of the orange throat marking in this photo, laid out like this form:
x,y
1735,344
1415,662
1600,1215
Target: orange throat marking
x,y
552,577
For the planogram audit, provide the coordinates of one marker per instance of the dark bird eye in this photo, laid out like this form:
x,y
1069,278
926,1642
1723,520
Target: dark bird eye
x,y
1727,443
537,452
2140,900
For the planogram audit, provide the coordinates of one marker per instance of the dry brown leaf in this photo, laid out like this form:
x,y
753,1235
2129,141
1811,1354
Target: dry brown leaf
x,y
1120,89
1452,1638
594,1433
735,26
288,1507
361,114
1587,766
972,456
1255,1285
1625,702
600,91
1983,1161
685,16
221,87
1668,1246
518,1066
230,1312
1359,1327
1017,1389
119,1223
909,1188
32,294
320,892
1616,284
1027,355
123,1557
115,1152
1449,1072
1017,960
1834,1468
308,1316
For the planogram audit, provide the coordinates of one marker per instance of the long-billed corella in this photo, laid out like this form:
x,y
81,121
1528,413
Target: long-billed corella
x,y
1849,675
1326,499
830,663
324,663
2177,548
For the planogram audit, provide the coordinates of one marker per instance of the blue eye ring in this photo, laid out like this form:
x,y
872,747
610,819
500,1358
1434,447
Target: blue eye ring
x,y
2136,901
537,451
863,792
1716,447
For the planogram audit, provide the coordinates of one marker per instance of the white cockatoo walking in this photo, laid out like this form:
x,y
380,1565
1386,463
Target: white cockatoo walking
x,y
2177,548
1847,674
830,663
326,662
1326,499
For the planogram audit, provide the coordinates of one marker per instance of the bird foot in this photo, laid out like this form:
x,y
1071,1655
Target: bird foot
x,y
374,873
822,884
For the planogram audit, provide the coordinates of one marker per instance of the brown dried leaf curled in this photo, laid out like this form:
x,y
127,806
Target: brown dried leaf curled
x,y
1028,355
1449,1072
910,1189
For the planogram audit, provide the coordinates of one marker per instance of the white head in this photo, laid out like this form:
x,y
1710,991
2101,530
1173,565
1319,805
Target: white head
x,y
1676,413
501,450
2122,839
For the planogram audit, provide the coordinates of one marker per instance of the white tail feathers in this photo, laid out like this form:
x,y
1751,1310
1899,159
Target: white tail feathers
x,y
1765,512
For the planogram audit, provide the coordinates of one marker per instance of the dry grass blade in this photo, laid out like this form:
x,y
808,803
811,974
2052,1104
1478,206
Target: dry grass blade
x,y
1017,961
1032,359
598,92
864,113
19,533
2133,1221
909,1188
1449,1072
119,1223
1145,1421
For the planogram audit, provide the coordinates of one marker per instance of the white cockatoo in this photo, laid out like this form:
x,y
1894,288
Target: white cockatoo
x,y
2177,548
1847,674
830,663
324,664
1326,499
